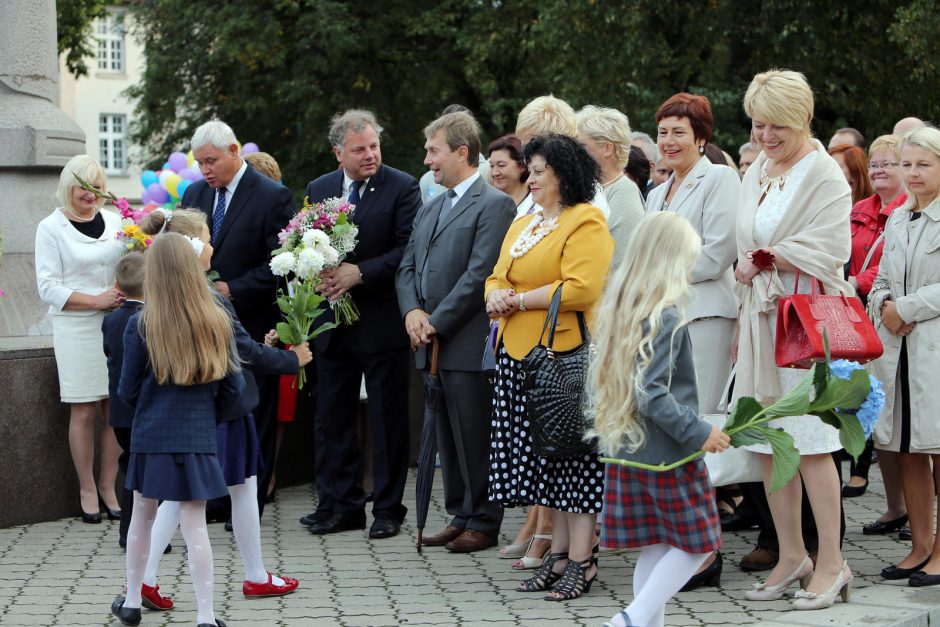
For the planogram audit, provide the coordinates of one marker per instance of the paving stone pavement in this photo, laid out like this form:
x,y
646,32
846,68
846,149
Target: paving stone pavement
x,y
66,573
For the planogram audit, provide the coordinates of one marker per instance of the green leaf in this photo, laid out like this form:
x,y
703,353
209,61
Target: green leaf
x,y
314,301
843,393
751,435
829,417
326,326
820,377
786,458
744,411
794,403
852,435
285,333
212,276
283,303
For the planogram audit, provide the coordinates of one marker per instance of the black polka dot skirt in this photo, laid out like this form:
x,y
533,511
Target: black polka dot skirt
x,y
520,477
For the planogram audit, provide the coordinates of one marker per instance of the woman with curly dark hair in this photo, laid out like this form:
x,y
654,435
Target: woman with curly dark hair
x,y
566,244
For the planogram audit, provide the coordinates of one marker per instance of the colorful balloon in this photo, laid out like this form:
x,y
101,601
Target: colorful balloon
x,y
163,175
189,174
157,193
181,188
171,184
177,161
190,159
249,148
147,177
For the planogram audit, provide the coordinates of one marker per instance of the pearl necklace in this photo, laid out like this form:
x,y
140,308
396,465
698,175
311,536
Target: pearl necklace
x,y
537,229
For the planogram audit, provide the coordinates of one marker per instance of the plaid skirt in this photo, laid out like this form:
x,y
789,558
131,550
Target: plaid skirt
x,y
676,507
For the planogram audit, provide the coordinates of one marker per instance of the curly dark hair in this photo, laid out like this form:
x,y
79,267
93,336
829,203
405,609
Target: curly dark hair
x,y
577,173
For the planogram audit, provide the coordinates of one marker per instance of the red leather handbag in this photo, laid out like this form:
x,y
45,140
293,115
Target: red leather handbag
x,y
802,318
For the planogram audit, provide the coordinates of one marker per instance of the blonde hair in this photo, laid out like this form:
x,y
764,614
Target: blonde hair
x,y
188,222
928,138
547,114
607,126
85,167
886,143
265,164
189,336
781,97
653,275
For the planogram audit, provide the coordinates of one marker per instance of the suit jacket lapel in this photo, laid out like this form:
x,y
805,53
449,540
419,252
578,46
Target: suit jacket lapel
x,y
689,184
465,202
237,204
424,231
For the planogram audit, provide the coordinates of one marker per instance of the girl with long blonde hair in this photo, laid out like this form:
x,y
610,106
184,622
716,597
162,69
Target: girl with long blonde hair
x,y
645,404
237,440
180,369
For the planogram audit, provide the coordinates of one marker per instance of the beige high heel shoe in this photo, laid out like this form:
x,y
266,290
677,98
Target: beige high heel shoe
x,y
842,586
763,592
533,561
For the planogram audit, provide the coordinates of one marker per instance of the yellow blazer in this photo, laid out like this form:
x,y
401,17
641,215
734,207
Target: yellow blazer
x,y
577,254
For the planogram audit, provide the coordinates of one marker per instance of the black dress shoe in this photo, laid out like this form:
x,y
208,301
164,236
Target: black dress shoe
x,y
850,491
91,519
711,576
921,579
339,522
904,534
738,522
315,517
887,526
228,526
893,573
127,615
384,527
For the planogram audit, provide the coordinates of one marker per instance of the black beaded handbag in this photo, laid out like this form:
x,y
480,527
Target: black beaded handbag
x,y
554,385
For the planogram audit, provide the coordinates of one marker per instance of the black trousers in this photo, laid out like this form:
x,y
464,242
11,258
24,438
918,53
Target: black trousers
x,y
266,423
339,468
123,436
463,439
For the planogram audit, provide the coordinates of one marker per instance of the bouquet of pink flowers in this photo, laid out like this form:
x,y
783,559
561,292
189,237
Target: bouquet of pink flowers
x,y
330,220
135,239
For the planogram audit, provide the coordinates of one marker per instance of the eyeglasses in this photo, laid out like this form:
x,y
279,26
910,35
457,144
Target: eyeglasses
x,y
884,165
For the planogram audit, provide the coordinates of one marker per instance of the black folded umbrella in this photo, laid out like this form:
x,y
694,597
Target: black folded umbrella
x,y
433,403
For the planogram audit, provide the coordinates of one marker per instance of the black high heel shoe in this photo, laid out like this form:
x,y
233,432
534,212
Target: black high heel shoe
x,y
851,491
711,576
573,582
91,519
113,514
127,615
545,576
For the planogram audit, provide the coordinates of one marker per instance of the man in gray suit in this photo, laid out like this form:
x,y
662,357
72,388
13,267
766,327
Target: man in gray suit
x,y
453,247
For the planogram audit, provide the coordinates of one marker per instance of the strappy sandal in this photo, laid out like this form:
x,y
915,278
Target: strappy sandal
x,y
527,561
545,576
573,582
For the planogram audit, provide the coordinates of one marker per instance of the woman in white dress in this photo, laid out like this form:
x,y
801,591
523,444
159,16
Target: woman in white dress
x,y
76,252
794,207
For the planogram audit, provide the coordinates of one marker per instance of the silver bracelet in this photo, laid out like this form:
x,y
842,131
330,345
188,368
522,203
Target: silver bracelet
x,y
522,301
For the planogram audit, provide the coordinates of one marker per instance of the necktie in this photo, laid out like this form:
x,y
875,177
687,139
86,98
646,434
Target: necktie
x,y
218,215
354,198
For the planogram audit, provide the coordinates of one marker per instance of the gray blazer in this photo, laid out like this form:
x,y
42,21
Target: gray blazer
x,y
458,259
708,199
669,406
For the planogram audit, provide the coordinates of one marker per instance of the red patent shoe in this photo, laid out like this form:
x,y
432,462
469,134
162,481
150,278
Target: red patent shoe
x,y
269,588
153,600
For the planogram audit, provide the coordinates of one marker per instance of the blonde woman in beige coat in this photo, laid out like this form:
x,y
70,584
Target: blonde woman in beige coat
x,y
905,301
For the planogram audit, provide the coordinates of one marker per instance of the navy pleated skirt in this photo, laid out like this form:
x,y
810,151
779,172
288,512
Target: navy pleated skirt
x,y
239,450
176,476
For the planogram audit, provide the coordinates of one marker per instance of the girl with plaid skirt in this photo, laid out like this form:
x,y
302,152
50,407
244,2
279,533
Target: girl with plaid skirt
x,y
645,403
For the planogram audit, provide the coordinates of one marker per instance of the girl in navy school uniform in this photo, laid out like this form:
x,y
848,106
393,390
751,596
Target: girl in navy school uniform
x,y
239,450
180,371
646,410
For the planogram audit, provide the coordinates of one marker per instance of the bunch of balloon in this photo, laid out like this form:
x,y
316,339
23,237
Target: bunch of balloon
x,y
165,187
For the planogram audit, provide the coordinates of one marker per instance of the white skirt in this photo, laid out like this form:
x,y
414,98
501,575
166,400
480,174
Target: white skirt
x,y
79,357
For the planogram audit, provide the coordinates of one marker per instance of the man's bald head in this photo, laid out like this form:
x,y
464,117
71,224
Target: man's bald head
x,y
907,125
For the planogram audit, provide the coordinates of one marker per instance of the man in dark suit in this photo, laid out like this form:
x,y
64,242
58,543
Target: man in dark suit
x,y
453,248
376,345
245,212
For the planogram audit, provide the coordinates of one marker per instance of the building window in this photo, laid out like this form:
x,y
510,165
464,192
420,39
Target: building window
x,y
112,142
109,32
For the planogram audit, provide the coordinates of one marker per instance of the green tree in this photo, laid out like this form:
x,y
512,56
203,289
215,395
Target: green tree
x,y
74,19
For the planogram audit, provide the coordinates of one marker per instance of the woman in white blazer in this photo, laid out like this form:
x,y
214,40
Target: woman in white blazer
x,y
76,251
706,195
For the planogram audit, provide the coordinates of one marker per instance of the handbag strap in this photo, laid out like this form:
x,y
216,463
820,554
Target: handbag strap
x,y
871,252
551,320
817,286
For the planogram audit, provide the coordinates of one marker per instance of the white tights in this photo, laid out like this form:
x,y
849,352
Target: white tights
x,y
192,521
246,525
661,571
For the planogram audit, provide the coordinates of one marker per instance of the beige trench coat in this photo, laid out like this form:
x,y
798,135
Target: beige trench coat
x,y
912,248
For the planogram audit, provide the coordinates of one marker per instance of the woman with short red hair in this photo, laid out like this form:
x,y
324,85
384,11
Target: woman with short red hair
x,y
854,166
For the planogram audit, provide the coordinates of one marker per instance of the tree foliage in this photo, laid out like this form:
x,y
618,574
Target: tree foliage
x,y
74,19
278,70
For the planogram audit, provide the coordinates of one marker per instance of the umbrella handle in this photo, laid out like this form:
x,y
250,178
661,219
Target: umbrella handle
x,y
435,347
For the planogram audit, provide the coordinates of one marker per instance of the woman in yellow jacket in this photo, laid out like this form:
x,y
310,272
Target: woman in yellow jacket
x,y
565,243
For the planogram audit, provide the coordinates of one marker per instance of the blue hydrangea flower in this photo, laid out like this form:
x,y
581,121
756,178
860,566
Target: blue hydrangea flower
x,y
869,411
